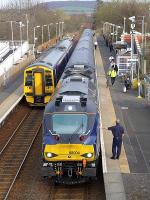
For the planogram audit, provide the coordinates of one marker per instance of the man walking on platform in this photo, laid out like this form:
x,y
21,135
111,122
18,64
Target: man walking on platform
x,y
117,132
113,65
113,75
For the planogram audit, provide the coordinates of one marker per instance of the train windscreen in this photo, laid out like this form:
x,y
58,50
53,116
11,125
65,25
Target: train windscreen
x,y
69,123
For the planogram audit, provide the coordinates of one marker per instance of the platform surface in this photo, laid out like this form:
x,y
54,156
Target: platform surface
x,y
10,96
133,167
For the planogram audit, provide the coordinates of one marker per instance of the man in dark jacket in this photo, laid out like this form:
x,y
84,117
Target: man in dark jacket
x,y
117,132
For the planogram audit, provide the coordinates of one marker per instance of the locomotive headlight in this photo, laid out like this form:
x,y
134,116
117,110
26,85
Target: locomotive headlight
x,y
49,155
89,155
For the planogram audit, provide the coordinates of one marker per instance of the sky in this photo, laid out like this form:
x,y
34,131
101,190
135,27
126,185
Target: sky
x,y
4,3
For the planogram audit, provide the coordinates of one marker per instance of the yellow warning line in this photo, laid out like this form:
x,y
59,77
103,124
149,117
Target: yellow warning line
x,y
124,165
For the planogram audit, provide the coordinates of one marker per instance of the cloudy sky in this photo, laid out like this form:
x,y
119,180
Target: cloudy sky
x,y
3,3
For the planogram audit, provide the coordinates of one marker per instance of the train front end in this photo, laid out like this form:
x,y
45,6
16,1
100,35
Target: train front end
x,y
38,84
71,139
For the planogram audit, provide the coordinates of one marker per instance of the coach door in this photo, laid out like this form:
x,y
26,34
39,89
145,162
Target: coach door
x,y
38,83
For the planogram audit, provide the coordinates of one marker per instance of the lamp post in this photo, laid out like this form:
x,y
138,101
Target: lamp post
x,y
113,32
104,24
43,33
27,23
59,34
143,30
117,27
56,32
132,19
62,31
20,26
49,33
34,38
124,24
12,38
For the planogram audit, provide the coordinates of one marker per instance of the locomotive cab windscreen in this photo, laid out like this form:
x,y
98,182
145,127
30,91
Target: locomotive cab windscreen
x,y
69,123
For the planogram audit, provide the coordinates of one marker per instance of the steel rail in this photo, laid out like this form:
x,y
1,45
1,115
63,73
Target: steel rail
x,y
14,133
23,137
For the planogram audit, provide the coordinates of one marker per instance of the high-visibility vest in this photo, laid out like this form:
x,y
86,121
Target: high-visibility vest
x,y
113,73
109,72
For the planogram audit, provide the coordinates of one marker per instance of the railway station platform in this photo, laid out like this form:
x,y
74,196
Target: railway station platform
x,y
9,98
129,177
12,93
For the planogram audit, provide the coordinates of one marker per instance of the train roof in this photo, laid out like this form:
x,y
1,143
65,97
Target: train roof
x,y
74,84
76,92
53,55
83,55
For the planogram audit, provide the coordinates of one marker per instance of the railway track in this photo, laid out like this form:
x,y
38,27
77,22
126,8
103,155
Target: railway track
x,y
30,185
86,191
14,153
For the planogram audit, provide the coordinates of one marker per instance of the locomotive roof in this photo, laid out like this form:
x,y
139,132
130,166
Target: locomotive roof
x,y
74,84
84,52
76,91
53,55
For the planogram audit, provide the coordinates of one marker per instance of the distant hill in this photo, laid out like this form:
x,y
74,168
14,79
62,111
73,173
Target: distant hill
x,y
73,7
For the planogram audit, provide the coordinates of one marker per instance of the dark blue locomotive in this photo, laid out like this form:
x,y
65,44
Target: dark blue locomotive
x,y
71,139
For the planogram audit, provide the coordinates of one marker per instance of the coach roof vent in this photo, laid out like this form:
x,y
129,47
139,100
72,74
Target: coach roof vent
x,y
71,98
79,67
78,79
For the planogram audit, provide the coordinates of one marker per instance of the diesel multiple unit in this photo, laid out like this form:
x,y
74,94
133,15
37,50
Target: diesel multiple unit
x,y
71,139
41,77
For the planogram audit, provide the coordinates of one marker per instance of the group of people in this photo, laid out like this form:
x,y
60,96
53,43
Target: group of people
x,y
112,71
112,74
117,130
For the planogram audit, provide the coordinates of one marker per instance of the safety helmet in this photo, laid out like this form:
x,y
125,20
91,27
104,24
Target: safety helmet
x,y
111,58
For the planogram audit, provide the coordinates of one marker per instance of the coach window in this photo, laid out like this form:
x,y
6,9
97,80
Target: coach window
x,y
48,80
28,80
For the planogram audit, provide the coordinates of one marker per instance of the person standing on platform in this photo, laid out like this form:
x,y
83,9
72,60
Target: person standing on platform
x,y
111,58
113,75
113,65
118,133
108,77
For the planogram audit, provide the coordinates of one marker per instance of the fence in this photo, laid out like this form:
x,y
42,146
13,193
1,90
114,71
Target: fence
x,y
123,63
12,64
